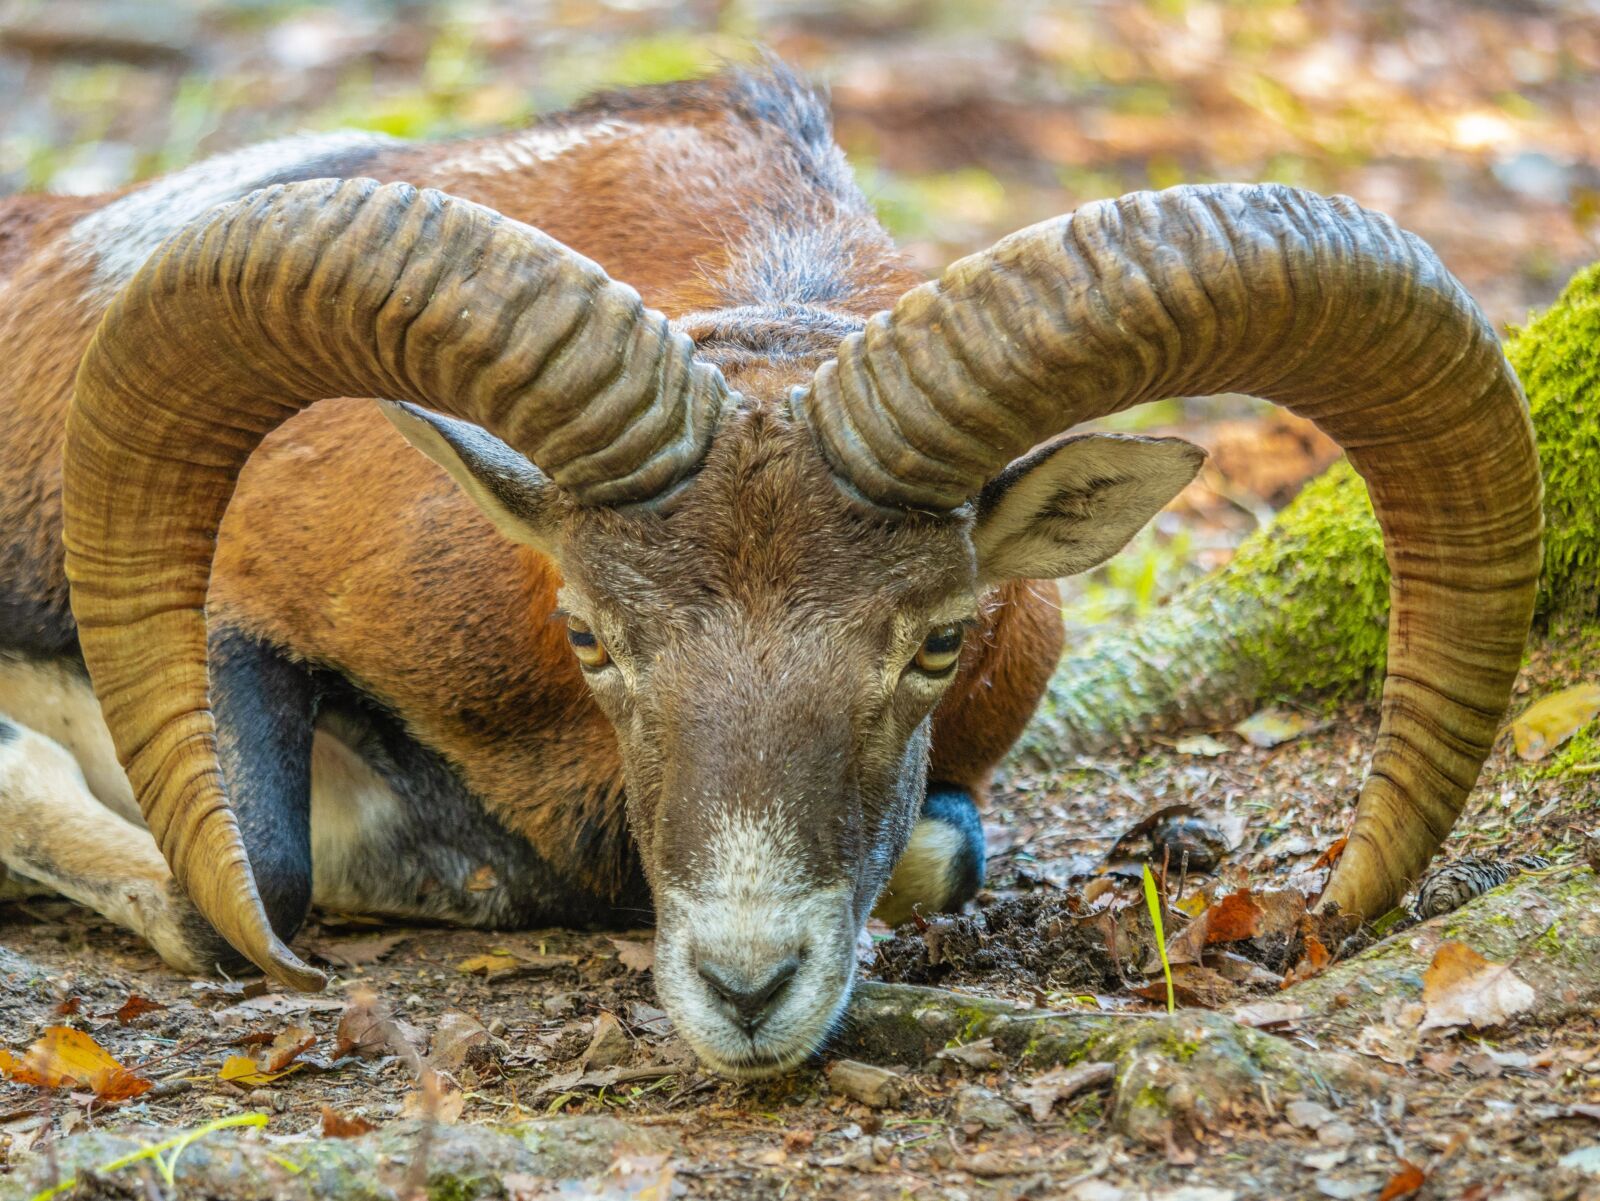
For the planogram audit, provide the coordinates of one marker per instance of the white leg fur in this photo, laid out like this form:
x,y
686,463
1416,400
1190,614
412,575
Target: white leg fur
x,y
54,833
925,877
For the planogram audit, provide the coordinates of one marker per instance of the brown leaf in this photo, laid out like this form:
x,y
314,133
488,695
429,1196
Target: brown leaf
x,y
369,1028
1262,1014
359,952
635,956
1234,918
1462,988
1332,855
609,1044
131,1010
438,1098
1404,1183
337,1125
1043,1092
68,1058
483,879
287,1047
1194,986
70,1007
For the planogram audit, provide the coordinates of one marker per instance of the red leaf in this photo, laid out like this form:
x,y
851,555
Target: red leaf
x,y
337,1125
134,1008
1234,918
1404,1183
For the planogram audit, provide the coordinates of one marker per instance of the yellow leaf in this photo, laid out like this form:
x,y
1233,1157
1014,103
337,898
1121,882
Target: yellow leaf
x,y
1546,724
247,1073
496,963
68,1058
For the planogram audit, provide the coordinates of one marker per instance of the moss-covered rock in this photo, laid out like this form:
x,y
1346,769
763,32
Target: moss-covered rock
x,y
1304,604
453,1163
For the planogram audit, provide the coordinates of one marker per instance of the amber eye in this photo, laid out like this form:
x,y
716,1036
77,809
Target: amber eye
x,y
586,644
939,650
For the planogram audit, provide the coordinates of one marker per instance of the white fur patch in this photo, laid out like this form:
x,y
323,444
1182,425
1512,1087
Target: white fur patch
x,y
57,702
351,807
123,234
531,147
925,876
752,906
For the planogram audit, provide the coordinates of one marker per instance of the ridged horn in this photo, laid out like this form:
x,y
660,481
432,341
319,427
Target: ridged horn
x,y
1308,301
291,295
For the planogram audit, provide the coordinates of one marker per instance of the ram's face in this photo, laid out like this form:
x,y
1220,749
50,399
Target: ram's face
x,y
769,652
769,660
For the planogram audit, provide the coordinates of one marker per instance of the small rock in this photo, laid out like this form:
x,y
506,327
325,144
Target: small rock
x,y
1308,1115
863,1082
985,1107
610,1044
1336,1134
1584,1159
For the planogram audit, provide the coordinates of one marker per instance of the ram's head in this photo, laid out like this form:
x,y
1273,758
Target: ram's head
x,y
768,592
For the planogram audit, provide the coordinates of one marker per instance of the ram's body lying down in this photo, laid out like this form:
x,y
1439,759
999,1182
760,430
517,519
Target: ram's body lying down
x,y
728,614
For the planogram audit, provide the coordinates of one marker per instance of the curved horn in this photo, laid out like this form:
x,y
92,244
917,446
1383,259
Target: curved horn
x,y
1311,302
291,295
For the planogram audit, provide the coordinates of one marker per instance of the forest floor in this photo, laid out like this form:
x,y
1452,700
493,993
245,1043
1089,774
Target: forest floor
x,y
1473,124
540,1023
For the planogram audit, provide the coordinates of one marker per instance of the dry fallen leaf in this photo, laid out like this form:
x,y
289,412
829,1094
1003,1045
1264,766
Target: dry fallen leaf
x,y
247,1073
1234,918
1404,1183
1042,1092
68,1058
131,1010
635,956
287,1047
337,1125
1194,986
1271,726
1546,724
1462,988
496,963
437,1098
358,952
368,1028
1269,1013
1200,744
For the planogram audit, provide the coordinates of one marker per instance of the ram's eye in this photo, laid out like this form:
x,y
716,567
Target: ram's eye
x,y
940,650
586,644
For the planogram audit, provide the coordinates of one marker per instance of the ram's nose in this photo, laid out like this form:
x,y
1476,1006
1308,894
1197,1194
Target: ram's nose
x,y
748,996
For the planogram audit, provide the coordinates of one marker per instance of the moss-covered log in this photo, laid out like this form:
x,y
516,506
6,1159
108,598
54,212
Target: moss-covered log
x,y
1304,604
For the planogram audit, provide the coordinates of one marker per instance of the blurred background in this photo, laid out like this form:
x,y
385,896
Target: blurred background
x,y
1474,123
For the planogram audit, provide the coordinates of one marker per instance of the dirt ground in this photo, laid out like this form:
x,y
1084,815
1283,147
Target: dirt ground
x,y
1488,1114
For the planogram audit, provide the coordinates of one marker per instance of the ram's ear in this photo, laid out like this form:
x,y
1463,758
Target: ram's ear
x,y
1071,504
508,490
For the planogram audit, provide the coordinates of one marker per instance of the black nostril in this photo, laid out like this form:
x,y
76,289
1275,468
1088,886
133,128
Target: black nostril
x,y
750,996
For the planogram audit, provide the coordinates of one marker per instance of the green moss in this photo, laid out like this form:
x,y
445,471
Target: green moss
x,y
1557,357
1320,569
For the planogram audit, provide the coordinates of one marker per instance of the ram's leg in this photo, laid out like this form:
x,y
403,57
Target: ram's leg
x,y
55,836
942,866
